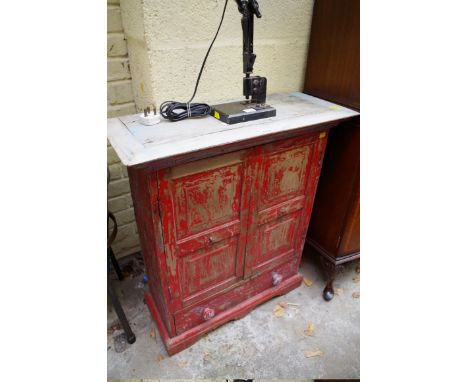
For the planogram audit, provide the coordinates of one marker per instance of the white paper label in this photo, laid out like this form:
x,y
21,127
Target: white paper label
x,y
249,110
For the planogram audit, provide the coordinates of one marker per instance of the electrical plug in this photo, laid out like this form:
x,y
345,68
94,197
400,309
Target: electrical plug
x,y
149,118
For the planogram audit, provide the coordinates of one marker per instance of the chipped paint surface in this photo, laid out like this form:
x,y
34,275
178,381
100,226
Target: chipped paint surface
x,y
279,211
192,316
278,237
208,200
205,199
230,221
137,144
286,173
210,266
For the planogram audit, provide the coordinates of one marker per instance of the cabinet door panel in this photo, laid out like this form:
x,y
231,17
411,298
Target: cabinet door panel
x,y
203,208
207,199
209,267
287,174
276,239
284,175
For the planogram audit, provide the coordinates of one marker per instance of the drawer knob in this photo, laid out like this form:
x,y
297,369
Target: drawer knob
x,y
208,314
277,278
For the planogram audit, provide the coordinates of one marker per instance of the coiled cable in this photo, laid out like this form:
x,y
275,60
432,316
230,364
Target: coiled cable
x,y
177,111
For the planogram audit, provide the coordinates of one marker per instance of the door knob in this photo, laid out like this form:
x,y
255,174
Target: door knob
x,y
208,314
212,239
284,210
277,278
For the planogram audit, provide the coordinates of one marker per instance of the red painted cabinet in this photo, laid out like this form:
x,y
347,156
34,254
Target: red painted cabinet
x,y
223,234
286,175
203,206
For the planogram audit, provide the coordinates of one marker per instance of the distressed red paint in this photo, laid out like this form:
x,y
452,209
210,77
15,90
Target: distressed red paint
x,y
224,234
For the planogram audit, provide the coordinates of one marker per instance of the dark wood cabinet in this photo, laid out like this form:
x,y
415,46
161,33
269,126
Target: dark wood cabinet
x,y
333,74
332,71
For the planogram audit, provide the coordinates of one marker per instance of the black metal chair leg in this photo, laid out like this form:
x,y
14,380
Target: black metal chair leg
x,y
120,313
114,262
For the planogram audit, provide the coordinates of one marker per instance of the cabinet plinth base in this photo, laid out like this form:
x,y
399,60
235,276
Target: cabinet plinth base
x,y
184,340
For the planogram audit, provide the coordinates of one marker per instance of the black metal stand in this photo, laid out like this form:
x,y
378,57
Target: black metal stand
x,y
255,87
120,313
115,264
110,290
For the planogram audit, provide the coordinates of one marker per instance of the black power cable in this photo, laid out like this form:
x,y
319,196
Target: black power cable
x,y
177,111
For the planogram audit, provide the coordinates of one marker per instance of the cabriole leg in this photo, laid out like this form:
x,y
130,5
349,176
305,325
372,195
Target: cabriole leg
x,y
328,292
330,271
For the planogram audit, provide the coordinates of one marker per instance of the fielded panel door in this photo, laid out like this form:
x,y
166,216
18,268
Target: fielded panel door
x,y
281,202
204,213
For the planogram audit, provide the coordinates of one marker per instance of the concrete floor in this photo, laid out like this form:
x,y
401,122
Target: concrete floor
x,y
260,345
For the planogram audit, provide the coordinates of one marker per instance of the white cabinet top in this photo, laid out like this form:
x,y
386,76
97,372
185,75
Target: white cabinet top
x,y
136,143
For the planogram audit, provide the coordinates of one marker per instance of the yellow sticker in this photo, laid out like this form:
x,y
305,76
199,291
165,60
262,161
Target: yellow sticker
x,y
216,115
323,134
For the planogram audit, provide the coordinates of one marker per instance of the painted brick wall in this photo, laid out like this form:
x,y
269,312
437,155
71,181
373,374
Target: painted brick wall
x,y
120,101
166,47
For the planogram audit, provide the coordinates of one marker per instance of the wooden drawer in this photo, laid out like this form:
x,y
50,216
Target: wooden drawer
x,y
208,309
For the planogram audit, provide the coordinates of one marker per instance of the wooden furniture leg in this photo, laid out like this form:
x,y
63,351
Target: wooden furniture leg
x,y
329,292
331,270
330,273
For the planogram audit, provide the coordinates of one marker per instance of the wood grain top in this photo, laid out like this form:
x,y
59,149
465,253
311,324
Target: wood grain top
x,y
136,143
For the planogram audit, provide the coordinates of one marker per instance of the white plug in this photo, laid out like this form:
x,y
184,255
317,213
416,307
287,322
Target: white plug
x,y
149,118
